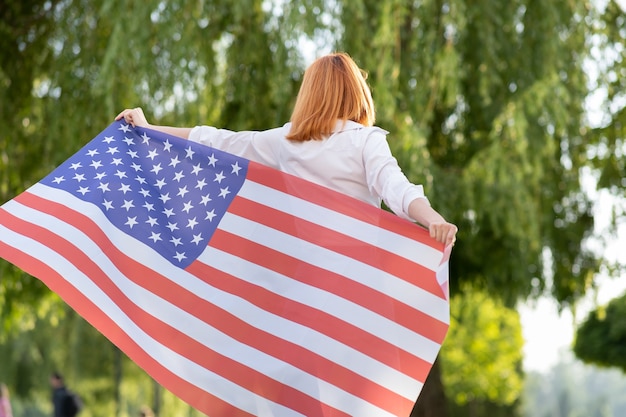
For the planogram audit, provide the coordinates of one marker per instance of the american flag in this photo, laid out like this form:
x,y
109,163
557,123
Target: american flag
x,y
241,289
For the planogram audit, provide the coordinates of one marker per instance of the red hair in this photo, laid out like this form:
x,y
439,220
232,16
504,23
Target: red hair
x,y
333,88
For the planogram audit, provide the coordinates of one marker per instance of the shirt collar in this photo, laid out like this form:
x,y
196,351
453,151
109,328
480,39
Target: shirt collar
x,y
342,126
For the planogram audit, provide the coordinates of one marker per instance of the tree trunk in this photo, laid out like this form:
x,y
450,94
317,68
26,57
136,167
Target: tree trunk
x,y
156,398
117,380
432,399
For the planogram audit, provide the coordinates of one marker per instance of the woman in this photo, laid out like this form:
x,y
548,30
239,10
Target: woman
x,y
331,140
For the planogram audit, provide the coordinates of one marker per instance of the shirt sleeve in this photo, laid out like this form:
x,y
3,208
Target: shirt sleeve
x,y
237,143
251,145
384,176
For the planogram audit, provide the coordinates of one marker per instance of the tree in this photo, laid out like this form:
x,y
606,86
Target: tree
x,y
482,362
601,338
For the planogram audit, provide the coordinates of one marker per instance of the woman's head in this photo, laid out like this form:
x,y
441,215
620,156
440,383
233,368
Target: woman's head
x,y
333,88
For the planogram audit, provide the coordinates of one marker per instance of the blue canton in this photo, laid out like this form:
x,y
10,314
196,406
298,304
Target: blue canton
x,y
165,191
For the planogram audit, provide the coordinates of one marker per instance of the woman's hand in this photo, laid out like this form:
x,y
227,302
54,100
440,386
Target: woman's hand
x,y
443,232
134,117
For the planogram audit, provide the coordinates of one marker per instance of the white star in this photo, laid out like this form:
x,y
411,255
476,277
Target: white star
x,y
196,169
148,206
180,256
179,176
201,184
95,164
128,141
224,192
131,222
153,154
189,152
191,223
75,166
108,139
182,191
219,177
187,207
155,237
176,241
120,174
172,226
140,180
124,128
174,161
117,161
145,138
125,188
145,193
236,168
92,152
205,200
168,212
107,204
212,160
128,204
136,167
152,221
112,150
83,190
79,177
165,198
104,187
58,180
132,154
167,146
210,215
160,183
156,168
100,175
197,239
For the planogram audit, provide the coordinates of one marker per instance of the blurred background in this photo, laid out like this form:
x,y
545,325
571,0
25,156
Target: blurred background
x,y
510,113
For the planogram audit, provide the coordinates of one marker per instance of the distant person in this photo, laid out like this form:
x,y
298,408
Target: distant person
x,y
5,403
65,402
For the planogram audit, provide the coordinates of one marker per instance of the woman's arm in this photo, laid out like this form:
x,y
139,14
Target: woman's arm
x,y
421,211
135,117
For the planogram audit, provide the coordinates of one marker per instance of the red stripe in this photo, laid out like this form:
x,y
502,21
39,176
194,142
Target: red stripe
x,y
376,257
162,332
196,397
367,343
338,202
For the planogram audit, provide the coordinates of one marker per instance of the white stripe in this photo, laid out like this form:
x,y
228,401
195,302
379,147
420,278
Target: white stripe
x,y
186,369
400,245
314,387
377,279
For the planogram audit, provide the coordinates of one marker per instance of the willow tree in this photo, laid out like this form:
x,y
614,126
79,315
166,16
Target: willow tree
x,y
483,100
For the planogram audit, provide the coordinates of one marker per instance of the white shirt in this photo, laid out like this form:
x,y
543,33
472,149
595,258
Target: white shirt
x,y
354,160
